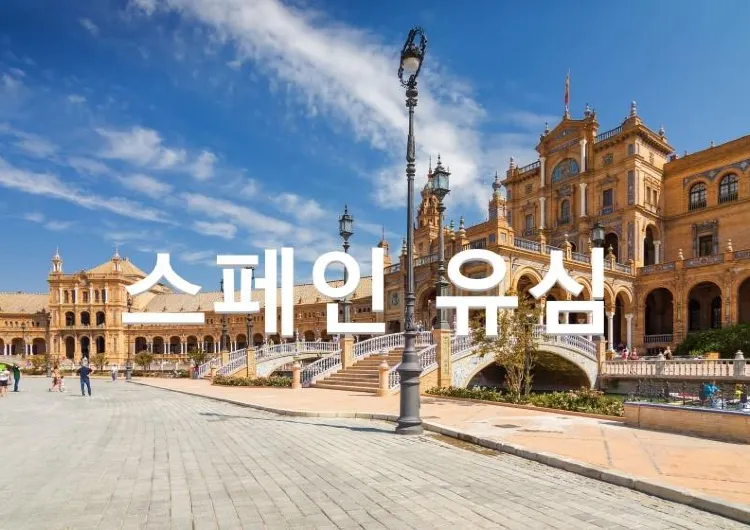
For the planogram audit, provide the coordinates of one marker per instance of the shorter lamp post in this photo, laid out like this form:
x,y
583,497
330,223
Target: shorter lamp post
x,y
23,339
440,187
249,325
129,362
47,352
224,325
346,230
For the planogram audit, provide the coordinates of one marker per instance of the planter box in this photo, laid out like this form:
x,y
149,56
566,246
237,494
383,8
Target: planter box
x,y
725,425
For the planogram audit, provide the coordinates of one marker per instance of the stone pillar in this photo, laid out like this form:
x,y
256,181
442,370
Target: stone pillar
x,y
611,317
601,357
629,319
383,378
739,364
346,343
224,356
542,219
541,171
582,187
442,340
582,142
251,367
657,252
296,384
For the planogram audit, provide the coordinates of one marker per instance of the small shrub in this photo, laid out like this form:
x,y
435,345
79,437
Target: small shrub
x,y
224,380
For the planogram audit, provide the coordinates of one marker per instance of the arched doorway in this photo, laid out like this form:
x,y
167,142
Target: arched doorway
x,y
158,345
99,342
192,343
658,313
208,344
611,240
241,341
743,302
427,313
309,336
649,249
175,345
16,347
704,307
39,346
141,345
258,339
70,348
85,347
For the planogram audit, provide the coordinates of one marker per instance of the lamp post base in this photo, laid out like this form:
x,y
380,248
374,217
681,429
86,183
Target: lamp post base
x,y
128,372
409,421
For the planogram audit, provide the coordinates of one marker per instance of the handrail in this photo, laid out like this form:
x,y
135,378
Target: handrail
x,y
608,134
708,368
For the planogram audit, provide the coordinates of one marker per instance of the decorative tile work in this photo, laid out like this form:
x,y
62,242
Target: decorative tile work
x,y
704,260
742,254
712,173
565,169
631,237
661,267
563,146
631,187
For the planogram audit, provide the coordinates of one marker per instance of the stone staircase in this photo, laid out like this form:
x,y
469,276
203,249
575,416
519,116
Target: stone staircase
x,y
362,376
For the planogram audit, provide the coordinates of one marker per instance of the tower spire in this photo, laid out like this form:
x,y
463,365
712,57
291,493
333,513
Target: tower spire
x,y
567,95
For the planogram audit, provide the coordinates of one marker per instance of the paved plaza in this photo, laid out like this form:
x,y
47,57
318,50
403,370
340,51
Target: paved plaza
x,y
140,457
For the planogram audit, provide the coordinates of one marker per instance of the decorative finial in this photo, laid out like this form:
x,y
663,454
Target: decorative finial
x,y
712,144
496,184
461,223
383,232
429,171
685,153
512,164
452,225
546,127
587,111
117,252
729,246
679,255
633,110
57,253
566,238
403,247
662,132
610,251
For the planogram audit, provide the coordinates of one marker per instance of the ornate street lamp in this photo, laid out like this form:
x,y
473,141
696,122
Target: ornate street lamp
x,y
23,338
409,422
346,230
249,326
440,187
129,363
597,235
47,352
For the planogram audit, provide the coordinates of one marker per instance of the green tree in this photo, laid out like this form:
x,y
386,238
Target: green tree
x,y
197,356
515,348
99,360
144,359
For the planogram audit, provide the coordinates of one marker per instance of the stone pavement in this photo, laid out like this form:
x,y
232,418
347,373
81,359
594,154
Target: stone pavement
x,y
717,469
139,457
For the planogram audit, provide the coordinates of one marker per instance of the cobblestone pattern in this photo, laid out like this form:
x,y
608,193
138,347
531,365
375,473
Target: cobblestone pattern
x,y
136,457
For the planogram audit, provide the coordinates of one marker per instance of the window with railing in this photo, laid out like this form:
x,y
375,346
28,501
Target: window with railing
x,y
530,226
564,212
608,201
697,197
728,188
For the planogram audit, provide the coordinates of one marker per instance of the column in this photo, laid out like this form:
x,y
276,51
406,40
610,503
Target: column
x,y
91,295
611,329
542,200
105,295
541,171
59,295
582,209
166,346
76,296
583,154
657,252
629,319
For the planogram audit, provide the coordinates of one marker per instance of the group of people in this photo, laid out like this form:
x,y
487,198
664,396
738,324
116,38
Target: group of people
x,y
5,376
626,354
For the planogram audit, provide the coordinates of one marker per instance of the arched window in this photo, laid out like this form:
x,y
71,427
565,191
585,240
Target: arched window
x,y
566,168
728,188
565,212
697,197
70,318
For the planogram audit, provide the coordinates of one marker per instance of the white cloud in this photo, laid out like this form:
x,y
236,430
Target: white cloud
x,y
343,72
141,147
219,208
17,72
75,99
35,145
48,185
204,257
90,26
224,230
250,188
149,186
203,168
302,209
59,226
34,217
10,84
87,165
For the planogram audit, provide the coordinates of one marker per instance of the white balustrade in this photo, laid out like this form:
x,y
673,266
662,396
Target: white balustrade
x,y
699,368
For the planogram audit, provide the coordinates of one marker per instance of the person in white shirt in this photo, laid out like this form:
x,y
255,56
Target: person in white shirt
x,y
4,380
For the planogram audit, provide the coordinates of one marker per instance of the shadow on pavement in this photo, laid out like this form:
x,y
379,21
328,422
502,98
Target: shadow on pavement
x,y
222,417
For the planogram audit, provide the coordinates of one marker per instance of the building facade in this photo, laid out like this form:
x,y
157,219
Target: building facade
x,y
677,253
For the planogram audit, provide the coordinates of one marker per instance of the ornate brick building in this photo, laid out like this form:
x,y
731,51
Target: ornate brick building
x,y
676,243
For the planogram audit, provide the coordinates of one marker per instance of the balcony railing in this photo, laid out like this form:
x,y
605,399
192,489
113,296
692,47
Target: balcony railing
x,y
529,167
528,232
526,244
664,338
704,260
659,267
678,368
696,205
393,268
426,260
608,134
581,257
728,197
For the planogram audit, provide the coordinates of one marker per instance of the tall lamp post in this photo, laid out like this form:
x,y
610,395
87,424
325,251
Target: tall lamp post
x,y
409,370
224,325
249,327
47,351
129,363
23,338
440,187
346,230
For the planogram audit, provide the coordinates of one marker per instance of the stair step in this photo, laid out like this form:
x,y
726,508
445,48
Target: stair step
x,y
351,380
349,388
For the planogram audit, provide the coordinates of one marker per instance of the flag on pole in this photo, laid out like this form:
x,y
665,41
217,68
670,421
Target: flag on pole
x,y
567,91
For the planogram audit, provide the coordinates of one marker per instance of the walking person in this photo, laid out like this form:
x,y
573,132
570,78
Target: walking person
x,y
114,373
84,372
4,378
16,377
56,380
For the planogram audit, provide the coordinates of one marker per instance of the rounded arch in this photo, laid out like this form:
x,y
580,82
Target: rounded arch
x,y
192,343
704,305
532,277
258,339
659,312
100,344
141,344
743,301
157,345
208,343
70,318
650,234
309,335
85,318
100,318
729,187
85,347
38,346
627,297
70,347
241,341
175,345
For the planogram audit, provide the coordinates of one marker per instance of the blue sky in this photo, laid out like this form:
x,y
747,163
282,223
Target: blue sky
x,y
198,127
